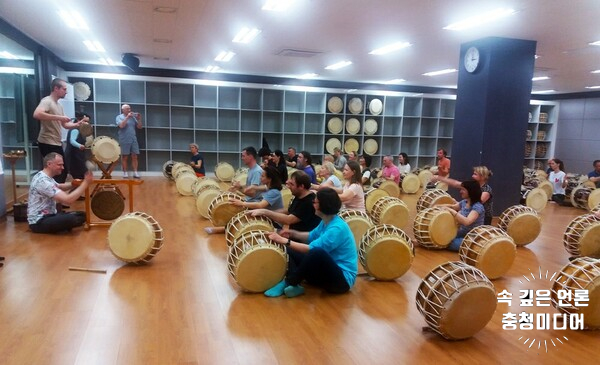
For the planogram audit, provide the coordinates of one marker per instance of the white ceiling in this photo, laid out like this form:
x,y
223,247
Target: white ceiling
x,y
339,29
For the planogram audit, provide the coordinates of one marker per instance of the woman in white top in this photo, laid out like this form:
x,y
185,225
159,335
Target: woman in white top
x,y
365,168
327,172
558,179
353,196
403,165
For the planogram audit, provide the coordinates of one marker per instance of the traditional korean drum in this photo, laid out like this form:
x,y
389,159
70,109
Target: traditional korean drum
x,y
585,197
205,196
107,202
220,210
540,150
489,249
580,274
391,187
358,221
135,237
184,181
547,187
434,228
433,197
241,176
536,198
522,223
456,300
411,183
386,252
255,262
287,196
201,182
177,166
425,177
106,149
167,169
86,130
224,171
182,169
242,223
390,210
582,236
372,196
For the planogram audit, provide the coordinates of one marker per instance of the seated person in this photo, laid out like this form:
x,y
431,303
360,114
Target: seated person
x,y
300,215
389,170
327,172
403,164
44,193
468,213
352,195
594,176
365,168
197,161
271,198
328,261
339,159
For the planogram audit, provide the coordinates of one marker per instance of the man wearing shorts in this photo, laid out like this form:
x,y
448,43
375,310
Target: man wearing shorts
x,y
127,122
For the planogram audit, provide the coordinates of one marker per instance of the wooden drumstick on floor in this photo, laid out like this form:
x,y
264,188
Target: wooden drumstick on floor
x,y
101,271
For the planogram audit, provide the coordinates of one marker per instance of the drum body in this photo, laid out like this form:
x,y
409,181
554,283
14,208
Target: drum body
x,y
287,196
241,176
242,223
582,236
522,223
182,169
135,237
386,252
176,167
184,181
107,203
390,210
489,249
220,210
201,182
536,198
433,197
585,197
372,196
547,187
390,187
255,262
105,149
434,228
167,169
411,183
580,274
224,171
358,221
456,300
425,177
205,196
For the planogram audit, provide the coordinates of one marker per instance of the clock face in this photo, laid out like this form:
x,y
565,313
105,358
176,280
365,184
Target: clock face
x,y
471,59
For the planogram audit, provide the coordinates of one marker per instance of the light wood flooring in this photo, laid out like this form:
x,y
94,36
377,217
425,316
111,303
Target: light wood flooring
x,y
184,308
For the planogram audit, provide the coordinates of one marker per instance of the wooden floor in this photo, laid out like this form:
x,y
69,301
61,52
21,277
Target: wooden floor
x,y
183,307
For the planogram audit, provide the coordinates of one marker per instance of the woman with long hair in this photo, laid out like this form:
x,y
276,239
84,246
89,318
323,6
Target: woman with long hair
x,y
365,168
403,164
328,261
558,179
327,172
271,199
278,160
353,196
468,213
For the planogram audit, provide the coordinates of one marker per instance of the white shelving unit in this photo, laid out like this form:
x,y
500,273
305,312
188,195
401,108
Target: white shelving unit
x,y
541,134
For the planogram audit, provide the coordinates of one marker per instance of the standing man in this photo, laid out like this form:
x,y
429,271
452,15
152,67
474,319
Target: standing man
x,y
300,215
44,193
594,176
197,161
443,163
127,122
292,157
52,116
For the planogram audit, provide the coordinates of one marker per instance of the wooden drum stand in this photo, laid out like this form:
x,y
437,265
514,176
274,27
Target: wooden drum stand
x,y
102,181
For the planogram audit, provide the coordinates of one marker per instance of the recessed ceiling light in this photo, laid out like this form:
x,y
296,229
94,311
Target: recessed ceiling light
x,y
480,19
94,46
107,61
73,19
390,48
593,87
277,5
338,65
162,40
596,43
246,35
540,78
440,72
212,68
165,9
224,56
596,72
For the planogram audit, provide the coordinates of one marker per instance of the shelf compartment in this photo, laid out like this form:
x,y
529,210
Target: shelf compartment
x,y
294,101
412,107
389,146
410,126
314,123
315,102
272,122
410,145
106,90
207,140
157,93
427,146
251,139
229,141
133,91
393,106
106,113
431,108
206,118
229,120
205,96
275,141
429,127
158,139
182,117
229,97
314,144
273,100
293,123
182,94
392,126
250,121
157,116
252,99
181,139
445,128
156,159
447,108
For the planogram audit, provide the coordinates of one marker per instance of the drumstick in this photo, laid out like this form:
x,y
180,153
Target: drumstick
x,y
101,271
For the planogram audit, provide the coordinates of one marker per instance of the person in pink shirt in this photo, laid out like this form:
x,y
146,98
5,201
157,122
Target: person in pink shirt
x,y
389,170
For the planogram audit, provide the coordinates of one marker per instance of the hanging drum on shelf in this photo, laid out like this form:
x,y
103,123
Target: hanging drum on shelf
x,y
375,106
540,150
528,148
370,127
355,106
332,144
351,145
335,104
543,117
335,125
352,126
370,146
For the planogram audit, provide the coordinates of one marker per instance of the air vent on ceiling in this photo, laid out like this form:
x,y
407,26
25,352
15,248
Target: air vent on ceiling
x,y
292,52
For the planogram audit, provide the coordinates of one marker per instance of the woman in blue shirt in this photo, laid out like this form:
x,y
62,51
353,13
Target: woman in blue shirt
x,y
329,260
271,199
468,213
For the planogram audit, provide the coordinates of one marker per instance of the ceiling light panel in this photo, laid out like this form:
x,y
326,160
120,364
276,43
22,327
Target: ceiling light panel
x,y
73,19
224,56
480,19
277,5
390,48
540,78
337,66
440,72
212,68
94,46
246,35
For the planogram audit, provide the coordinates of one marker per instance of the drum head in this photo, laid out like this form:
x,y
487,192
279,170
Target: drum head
x,y
536,199
205,196
391,188
85,129
411,184
353,126
106,150
107,203
394,213
184,183
370,146
224,171
130,238
496,257
469,311
355,106
442,229
335,104
260,269
332,144
166,169
370,127
594,199
351,145
388,259
335,125
375,107
589,244
425,177
242,223
373,196
287,197
358,222
547,187
524,228
221,210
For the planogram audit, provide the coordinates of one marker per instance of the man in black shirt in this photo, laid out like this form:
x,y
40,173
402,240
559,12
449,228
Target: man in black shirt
x,y
301,213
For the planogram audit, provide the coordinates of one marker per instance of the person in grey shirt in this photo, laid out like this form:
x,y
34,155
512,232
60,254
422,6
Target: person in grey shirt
x,y
128,122
340,160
